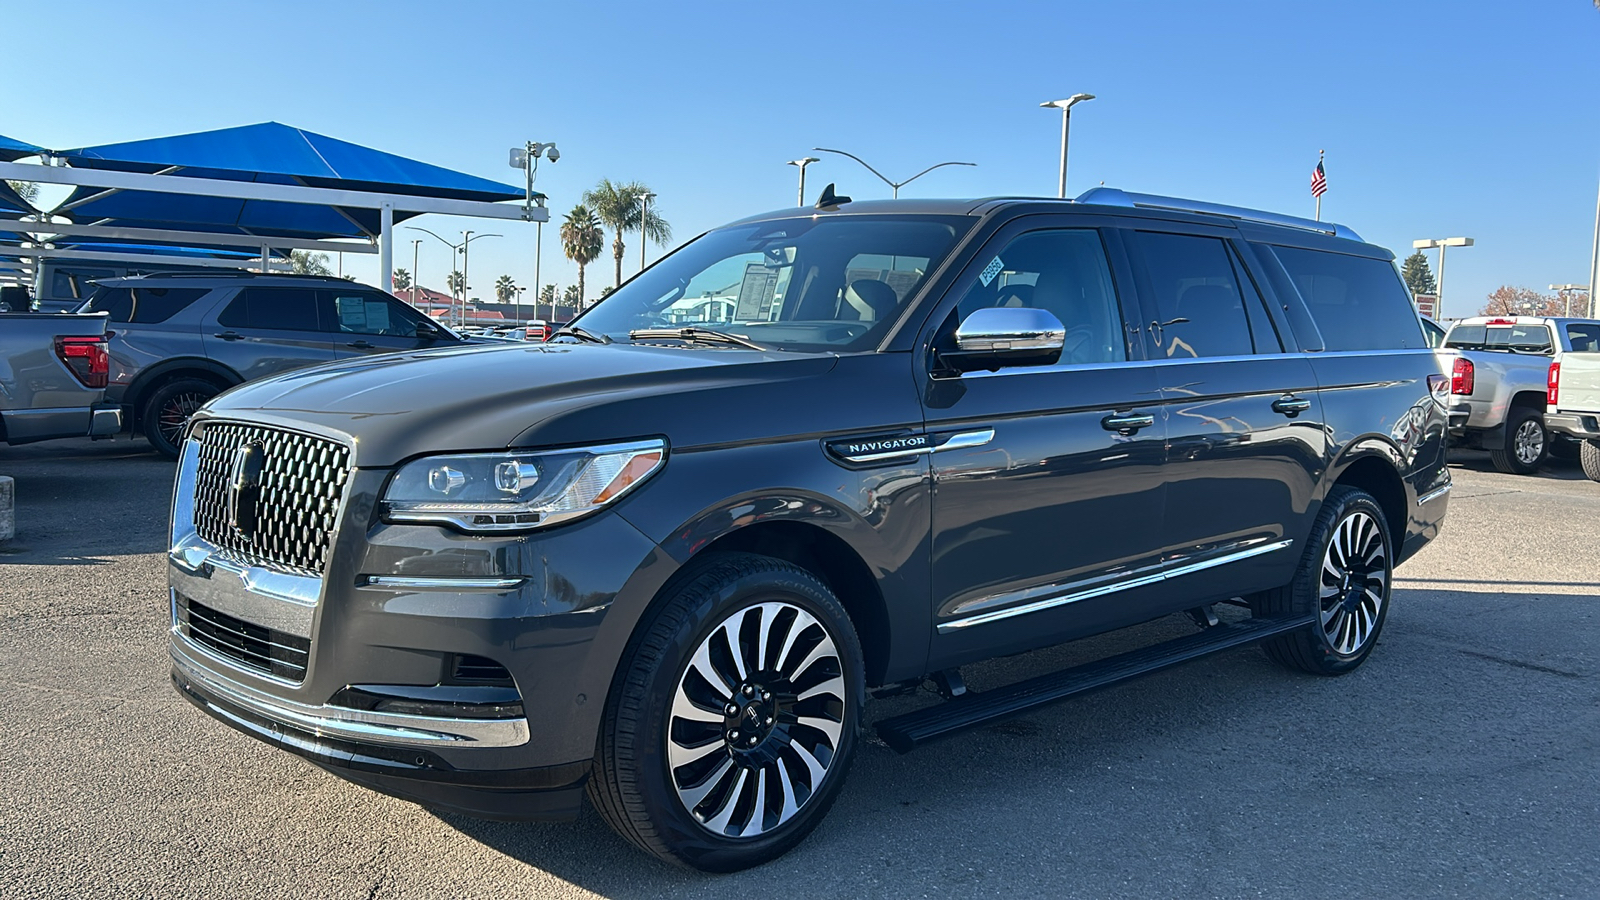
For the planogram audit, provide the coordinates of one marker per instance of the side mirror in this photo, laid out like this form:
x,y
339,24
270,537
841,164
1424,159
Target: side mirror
x,y
1006,336
427,331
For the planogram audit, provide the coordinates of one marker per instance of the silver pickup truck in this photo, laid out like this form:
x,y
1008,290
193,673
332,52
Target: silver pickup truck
x,y
1500,380
1574,399
53,370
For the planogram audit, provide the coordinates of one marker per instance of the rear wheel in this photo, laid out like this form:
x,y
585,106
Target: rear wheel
x,y
1526,443
166,414
1344,579
728,733
1589,455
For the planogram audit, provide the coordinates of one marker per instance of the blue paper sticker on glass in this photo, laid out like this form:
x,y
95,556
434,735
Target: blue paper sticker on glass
x,y
990,271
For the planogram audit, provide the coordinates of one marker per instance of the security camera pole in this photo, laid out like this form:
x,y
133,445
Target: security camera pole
x,y
1066,120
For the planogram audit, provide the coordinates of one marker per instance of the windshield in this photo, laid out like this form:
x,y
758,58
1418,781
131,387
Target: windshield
x,y
815,283
1495,336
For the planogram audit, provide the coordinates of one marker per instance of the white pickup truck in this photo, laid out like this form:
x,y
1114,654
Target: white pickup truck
x,y
1574,400
1501,379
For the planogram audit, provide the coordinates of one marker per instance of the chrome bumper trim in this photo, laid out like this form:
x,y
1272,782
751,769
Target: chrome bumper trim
x,y
1434,494
421,583
349,724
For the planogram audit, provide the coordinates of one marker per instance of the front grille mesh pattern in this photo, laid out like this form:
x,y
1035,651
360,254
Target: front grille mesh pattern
x,y
246,643
302,481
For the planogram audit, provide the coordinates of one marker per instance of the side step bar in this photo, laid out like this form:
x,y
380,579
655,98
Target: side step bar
x,y
907,732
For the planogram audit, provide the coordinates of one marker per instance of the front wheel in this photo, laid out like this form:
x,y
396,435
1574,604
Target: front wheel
x,y
729,729
1344,579
1527,443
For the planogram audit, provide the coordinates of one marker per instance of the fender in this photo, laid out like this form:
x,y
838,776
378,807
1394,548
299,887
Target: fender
x,y
146,380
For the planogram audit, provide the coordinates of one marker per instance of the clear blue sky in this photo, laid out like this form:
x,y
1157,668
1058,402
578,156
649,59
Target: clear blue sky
x,y
1439,119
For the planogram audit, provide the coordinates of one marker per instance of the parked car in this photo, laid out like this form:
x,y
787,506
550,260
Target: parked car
x,y
180,339
665,563
1573,399
53,378
1500,369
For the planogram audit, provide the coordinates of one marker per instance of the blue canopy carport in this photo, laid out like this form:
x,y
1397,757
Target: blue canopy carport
x,y
11,150
262,186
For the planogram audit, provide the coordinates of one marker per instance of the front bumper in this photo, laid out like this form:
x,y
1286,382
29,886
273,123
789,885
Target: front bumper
x,y
1578,425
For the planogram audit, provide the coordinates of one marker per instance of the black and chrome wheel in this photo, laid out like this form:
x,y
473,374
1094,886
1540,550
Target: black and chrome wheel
x,y
730,727
1344,578
1526,443
166,413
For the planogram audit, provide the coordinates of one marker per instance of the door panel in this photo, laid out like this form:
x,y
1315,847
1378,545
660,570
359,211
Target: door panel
x,y
365,323
264,331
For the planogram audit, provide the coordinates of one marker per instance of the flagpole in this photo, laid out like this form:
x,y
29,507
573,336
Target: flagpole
x,y
1319,196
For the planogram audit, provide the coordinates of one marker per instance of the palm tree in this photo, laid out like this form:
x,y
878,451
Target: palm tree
x,y
457,283
571,297
402,280
504,287
582,240
304,262
619,206
547,297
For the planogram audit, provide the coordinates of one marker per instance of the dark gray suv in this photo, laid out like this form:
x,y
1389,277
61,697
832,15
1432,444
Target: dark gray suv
x,y
177,340
665,556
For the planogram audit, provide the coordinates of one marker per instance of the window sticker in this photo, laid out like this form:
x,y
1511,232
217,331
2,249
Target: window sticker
x,y
990,271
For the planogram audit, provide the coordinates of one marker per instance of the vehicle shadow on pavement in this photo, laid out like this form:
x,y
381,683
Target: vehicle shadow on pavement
x,y
80,502
1554,467
1128,792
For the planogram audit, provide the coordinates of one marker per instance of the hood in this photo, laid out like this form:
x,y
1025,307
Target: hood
x,y
492,396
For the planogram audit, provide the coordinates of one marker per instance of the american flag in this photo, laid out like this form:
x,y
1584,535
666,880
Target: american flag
x,y
1319,181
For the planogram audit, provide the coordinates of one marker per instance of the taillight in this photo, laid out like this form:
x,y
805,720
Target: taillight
x,y
1463,376
86,357
1554,384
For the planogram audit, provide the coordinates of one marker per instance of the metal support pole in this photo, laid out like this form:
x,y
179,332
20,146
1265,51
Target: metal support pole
x,y
466,240
385,248
415,275
801,199
538,250
1066,120
1439,289
266,256
644,217
1594,258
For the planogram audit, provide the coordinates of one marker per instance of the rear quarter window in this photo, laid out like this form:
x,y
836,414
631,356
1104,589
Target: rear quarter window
x,y
1358,303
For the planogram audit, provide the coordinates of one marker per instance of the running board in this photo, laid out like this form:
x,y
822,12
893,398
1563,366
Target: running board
x,y
907,732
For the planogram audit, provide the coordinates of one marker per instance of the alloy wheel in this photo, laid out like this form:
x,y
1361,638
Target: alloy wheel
x,y
756,720
175,414
1355,583
1528,442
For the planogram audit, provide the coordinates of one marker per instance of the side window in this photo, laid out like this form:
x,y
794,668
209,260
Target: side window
x,y
151,305
1359,303
117,303
1063,271
278,309
1584,338
363,312
1199,309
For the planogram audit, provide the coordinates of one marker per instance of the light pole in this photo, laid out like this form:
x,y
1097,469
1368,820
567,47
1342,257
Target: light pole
x,y
802,163
519,291
644,221
527,158
467,237
414,282
1066,120
452,247
1441,243
1594,257
896,186
1565,290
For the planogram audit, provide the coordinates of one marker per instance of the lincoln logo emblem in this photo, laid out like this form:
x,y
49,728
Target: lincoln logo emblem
x,y
244,487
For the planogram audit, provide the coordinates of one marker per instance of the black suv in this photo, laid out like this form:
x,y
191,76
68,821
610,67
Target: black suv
x,y
811,454
179,339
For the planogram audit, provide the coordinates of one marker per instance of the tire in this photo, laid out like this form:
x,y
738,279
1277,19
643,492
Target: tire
x,y
1351,535
1589,456
683,781
166,413
1526,444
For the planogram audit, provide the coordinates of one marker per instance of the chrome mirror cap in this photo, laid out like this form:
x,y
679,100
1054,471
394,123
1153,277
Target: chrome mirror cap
x,y
1003,329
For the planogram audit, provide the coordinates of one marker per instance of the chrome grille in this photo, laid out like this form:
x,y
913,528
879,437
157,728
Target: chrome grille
x,y
302,482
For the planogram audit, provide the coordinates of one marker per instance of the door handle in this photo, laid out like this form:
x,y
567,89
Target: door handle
x,y
229,335
1127,423
1291,406
359,345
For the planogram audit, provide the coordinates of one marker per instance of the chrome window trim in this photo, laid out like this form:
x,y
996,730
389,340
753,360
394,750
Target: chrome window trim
x,y
1145,363
350,724
1074,596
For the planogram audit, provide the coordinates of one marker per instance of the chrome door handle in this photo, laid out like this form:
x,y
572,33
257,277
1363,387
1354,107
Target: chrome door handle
x,y
229,335
1127,423
1291,406
359,345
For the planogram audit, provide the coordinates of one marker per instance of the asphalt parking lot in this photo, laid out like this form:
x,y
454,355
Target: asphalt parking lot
x,y
1460,761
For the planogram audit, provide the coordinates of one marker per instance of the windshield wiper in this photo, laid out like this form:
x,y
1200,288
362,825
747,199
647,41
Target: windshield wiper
x,y
581,333
691,333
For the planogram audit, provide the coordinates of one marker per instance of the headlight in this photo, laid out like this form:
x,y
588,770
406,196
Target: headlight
x,y
517,490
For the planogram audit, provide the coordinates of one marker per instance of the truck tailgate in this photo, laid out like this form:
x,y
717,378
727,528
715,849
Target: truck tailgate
x,y
1580,383
42,394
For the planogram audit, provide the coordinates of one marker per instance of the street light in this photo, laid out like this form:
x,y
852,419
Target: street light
x,y
519,289
802,163
1066,119
452,253
1441,243
467,238
1566,297
414,276
527,159
895,185
644,220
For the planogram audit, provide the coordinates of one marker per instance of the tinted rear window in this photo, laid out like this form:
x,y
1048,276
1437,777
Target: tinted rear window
x,y
1524,338
1358,303
279,309
1584,338
144,306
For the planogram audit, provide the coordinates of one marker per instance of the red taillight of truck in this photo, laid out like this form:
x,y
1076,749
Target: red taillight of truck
x,y
86,357
1554,385
1463,376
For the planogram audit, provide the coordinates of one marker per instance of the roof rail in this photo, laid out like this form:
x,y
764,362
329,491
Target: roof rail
x,y
232,273
1105,196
